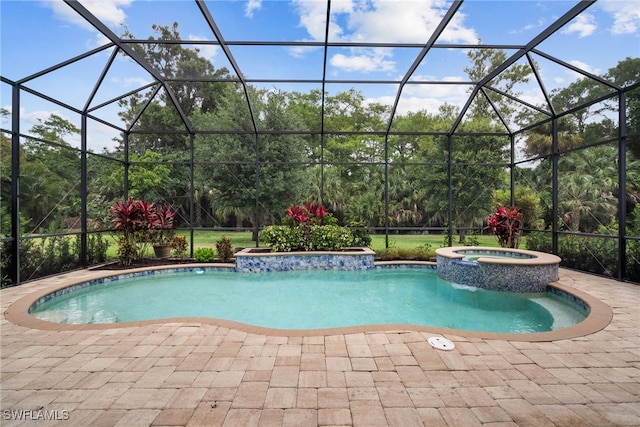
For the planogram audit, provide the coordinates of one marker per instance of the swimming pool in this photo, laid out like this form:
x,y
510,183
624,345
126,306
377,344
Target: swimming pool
x,y
305,300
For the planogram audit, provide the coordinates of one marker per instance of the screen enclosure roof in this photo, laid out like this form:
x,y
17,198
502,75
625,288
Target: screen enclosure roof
x,y
79,57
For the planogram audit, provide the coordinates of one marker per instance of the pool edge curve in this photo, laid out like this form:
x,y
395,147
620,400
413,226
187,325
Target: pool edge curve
x,y
600,315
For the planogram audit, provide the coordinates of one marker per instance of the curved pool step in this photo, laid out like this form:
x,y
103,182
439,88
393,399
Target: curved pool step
x,y
104,316
54,316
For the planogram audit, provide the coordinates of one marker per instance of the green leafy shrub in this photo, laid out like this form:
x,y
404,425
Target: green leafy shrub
x,y
633,246
40,257
30,259
97,248
328,238
127,250
539,241
421,253
595,254
282,238
204,255
633,256
592,254
224,248
472,240
388,254
313,228
178,246
360,233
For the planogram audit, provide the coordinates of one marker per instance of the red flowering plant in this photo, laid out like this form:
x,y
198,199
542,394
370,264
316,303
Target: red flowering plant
x,y
297,214
133,219
309,214
141,223
505,225
308,227
163,225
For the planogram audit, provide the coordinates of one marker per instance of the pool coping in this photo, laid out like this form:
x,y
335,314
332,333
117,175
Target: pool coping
x,y
538,258
600,314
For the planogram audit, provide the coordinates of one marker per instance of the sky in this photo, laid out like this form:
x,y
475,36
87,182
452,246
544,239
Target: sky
x,y
39,34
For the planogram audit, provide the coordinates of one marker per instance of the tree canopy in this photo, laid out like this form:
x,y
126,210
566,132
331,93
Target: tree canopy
x,y
245,178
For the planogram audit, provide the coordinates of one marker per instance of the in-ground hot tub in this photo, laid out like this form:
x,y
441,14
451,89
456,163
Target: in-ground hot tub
x,y
497,269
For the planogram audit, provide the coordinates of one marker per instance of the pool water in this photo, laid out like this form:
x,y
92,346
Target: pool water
x,y
473,258
313,300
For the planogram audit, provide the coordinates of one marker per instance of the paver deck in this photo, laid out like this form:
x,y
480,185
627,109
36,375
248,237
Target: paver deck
x,y
206,374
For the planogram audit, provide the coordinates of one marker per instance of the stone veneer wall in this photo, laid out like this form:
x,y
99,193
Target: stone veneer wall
x,y
497,277
247,262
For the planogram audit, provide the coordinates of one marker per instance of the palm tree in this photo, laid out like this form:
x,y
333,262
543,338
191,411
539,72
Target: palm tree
x,y
406,198
586,188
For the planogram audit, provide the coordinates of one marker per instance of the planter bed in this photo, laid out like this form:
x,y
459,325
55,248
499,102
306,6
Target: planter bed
x,y
257,260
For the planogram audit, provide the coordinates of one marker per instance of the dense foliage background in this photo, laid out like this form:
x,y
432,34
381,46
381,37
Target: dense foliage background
x,y
227,177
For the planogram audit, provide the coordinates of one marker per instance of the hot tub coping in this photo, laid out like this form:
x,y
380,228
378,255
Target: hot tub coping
x,y
538,258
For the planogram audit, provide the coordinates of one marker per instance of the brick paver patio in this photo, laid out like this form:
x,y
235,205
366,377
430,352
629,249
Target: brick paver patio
x,y
205,374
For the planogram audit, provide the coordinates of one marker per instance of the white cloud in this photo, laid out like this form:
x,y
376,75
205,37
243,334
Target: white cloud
x,y
110,12
584,66
206,51
453,94
584,25
410,104
559,81
428,97
31,118
129,82
301,51
539,24
563,77
313,16
424,78
363,60
99,135
457,32
626,15
378,21
533,97
252,5
36,117
99,40
405,22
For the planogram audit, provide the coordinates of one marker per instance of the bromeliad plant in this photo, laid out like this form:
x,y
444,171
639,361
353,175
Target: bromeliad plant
x,y
505,225
132,219
308,215
140,224
163,225
310,227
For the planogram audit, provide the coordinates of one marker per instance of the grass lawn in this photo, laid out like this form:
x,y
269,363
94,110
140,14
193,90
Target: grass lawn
x,y
242,239
413,241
